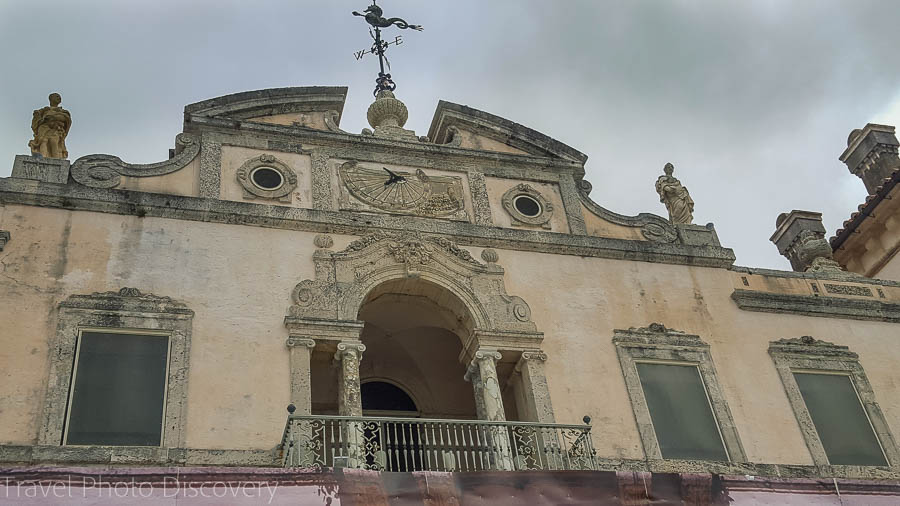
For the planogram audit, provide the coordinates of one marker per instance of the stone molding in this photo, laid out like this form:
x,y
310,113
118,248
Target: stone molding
x,y
809,354
523,189
4,238
267,102
282,193
821,306
105,171
125,309
658,343
654,228
344,278
50,170
125,202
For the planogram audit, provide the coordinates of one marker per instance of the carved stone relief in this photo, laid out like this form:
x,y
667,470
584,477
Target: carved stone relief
x,y
4,238
398,192
344,278
538,209
105,171
247,176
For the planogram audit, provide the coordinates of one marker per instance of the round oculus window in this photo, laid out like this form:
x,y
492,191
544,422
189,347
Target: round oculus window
x,y
267,178
527,206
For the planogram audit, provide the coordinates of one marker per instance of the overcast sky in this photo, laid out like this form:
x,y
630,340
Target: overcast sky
x,y
751,101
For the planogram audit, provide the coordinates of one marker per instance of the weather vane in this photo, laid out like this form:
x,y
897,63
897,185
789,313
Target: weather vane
x,y
373,16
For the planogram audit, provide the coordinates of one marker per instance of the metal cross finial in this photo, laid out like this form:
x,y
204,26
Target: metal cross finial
x,y
374,16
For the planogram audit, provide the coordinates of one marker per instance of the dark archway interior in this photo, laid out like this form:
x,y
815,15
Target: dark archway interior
x,y
383,396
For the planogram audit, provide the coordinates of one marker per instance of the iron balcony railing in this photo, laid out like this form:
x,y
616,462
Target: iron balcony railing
x,y
419,444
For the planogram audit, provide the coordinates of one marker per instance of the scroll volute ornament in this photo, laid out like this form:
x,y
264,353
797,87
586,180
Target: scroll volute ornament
x,y
50,126
675,196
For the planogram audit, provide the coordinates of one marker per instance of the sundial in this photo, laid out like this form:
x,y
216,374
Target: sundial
x,y
403,192
375,17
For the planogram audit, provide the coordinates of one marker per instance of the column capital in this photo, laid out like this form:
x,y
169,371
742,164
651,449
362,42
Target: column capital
x,y
294,342
493,355
346,348
531,355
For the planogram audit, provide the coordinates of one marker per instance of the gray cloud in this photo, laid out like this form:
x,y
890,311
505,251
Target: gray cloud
x,y
751,101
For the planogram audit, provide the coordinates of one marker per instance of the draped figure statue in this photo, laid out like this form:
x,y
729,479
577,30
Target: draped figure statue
x,y
50,126
675,196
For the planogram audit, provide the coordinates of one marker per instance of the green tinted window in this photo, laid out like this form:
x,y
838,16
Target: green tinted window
x,y
120,381
840,421
682,417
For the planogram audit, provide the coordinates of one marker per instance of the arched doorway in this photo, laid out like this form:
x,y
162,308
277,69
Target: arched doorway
x,y
414,333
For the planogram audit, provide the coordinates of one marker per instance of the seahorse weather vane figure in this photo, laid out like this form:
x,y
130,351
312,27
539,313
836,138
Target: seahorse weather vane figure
x,y
374,16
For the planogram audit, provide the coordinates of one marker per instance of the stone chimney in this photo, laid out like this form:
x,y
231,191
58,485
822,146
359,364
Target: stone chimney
x,y
800,237
871,154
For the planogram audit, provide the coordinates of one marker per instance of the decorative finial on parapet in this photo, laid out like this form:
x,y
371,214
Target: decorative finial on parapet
x,y
872,154
675,196
800,237
50,125
387,111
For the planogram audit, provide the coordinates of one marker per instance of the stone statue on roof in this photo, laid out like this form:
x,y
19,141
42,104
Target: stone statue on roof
x,y
675,196
50,125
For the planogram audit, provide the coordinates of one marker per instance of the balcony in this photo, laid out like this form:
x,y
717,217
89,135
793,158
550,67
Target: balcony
x,y
419,444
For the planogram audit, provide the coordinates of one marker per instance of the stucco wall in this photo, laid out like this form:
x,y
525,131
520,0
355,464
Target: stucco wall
x,y
238,280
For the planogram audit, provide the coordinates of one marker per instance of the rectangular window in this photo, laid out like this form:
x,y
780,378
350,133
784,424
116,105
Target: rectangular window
x,y
841,423
680,411
118,392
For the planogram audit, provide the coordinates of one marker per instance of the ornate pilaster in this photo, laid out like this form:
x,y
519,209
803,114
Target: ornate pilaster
x,y
301,387
347,358
482,372
534,386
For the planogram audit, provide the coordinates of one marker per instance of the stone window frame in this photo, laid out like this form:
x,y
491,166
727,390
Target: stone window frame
x,y
658,344
251,190
807,354
119,312
509,205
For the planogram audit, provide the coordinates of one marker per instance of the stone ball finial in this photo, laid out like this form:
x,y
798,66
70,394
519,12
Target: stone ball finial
x,y
853,135
387,110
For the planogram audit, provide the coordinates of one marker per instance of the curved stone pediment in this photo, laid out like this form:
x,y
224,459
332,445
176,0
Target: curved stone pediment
x,y
450,118
105,171
310,106
345,278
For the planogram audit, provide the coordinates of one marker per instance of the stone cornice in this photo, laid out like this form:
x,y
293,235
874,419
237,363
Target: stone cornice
x,y
808,347
343,141
656,335
129,300
17,191
829,307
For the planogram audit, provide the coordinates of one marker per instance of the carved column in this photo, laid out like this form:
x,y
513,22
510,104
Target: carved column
x,y
534,386
347,358
482,372
352,438
301,383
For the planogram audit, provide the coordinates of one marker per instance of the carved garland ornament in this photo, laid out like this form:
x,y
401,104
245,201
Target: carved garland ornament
x,y
543,212
250,171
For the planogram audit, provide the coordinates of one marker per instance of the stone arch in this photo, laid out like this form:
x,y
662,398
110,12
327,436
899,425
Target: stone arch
x,y
324,316
344,279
